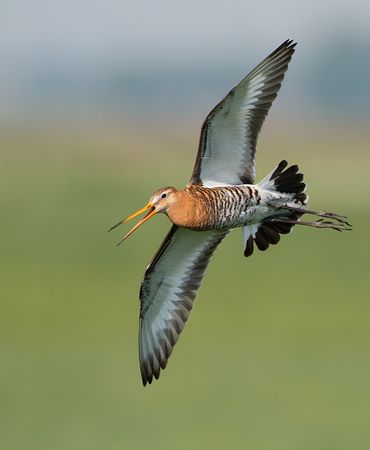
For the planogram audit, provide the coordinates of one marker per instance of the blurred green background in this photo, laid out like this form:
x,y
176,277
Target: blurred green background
x,y
276,353
101,104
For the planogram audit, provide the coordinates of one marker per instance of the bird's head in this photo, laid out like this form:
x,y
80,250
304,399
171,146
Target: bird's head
x,y
162,199
159,202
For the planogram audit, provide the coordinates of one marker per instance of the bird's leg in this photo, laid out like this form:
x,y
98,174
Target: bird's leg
x,y
302,210
321,223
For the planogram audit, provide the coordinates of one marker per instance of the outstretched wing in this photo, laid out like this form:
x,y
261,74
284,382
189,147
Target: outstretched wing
x,y
168,291
229,134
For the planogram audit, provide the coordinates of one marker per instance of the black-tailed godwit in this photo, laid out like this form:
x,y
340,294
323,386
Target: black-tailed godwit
x,y
221,195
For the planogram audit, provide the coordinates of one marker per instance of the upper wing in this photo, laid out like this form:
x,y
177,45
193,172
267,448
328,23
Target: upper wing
x,y
229,134
168,291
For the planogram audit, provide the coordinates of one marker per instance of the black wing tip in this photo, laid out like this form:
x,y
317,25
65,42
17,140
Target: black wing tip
x,y
287,46
289,43
147,378
146,375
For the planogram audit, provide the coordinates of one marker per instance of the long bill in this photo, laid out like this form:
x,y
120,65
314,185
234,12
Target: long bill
x,y
151,213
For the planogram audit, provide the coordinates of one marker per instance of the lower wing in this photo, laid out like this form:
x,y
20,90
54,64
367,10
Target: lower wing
x,y
168,291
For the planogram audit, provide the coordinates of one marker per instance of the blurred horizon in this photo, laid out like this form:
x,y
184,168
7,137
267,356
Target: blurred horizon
x,y
74,60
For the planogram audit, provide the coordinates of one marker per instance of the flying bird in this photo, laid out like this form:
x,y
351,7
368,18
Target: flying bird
x,y
220,196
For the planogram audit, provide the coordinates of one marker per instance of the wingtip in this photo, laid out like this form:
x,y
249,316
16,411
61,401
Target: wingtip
x,y
286,48
289,43
146,380
146,375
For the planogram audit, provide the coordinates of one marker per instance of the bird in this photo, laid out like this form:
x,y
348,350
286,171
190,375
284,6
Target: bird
x,y
221,195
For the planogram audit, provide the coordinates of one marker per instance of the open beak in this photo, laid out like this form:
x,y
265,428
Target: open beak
x,y
152,211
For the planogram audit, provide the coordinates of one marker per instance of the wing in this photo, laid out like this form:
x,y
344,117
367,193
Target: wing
x,y
229,134
168,291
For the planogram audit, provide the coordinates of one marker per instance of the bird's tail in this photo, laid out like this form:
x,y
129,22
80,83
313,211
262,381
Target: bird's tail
x,y
288,210
286,180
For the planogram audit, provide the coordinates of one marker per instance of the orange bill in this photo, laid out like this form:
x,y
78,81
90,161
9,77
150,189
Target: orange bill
x,y
151,213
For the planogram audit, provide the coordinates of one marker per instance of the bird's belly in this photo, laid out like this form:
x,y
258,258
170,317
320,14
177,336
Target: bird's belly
x,y
238,215
250,210
250,214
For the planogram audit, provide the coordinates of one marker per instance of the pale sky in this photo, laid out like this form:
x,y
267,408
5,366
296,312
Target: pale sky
x,y
169,29
66,53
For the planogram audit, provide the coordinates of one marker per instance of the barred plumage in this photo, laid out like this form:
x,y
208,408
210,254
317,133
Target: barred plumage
x,y
213,208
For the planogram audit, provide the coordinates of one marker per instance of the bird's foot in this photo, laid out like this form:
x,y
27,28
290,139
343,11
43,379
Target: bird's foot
x,y
330,215
320,223
325,214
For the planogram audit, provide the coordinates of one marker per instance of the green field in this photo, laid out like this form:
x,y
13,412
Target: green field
x,y
276,355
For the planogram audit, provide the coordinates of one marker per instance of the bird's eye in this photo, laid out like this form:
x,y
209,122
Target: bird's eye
x,y
164,195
